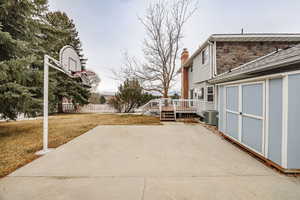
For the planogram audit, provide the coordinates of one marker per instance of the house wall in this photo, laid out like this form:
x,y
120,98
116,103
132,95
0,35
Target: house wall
x,y
230,55
191,84
205,105
201,72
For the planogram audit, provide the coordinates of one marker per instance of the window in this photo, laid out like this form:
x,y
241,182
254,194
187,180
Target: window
x,y
205,56
201,94
210,93
192,68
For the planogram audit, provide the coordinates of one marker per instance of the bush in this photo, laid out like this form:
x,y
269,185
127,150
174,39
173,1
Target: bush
x,y
102,100
130,96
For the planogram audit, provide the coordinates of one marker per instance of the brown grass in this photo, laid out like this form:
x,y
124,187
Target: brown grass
x,y
20,140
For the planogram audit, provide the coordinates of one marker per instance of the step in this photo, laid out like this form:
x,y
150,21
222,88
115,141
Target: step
x,y
168,119
163,114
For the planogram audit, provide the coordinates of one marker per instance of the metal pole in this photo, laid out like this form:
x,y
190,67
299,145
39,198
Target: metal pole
x,y
45,124
45,105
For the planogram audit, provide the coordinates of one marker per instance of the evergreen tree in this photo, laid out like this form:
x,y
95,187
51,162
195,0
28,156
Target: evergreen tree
x,y
68,35
62,31
102,100
129,96
26,35
19,83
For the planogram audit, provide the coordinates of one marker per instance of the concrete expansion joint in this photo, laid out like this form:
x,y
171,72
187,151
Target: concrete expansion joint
x,y
145,177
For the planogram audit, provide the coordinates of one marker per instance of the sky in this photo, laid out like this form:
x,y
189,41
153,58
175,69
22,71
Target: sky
x,y
108,28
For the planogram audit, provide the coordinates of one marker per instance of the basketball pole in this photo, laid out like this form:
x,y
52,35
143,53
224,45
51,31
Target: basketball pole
x,y
45,108
46,91
55,64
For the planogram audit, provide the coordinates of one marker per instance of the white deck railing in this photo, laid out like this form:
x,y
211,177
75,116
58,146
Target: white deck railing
x,y
152,106
186,105
178,105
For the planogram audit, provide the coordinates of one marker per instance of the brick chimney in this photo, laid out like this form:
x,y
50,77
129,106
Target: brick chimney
x,y
184,75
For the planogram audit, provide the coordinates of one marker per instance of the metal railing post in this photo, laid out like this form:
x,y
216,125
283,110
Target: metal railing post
x,y
174,107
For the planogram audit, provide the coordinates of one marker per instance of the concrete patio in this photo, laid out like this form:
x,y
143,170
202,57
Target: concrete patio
x,y
173,161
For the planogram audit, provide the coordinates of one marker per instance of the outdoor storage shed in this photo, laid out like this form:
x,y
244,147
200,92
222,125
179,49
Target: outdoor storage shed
x,y
259,107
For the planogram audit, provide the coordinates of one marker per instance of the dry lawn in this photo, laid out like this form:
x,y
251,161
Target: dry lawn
x,y
20,140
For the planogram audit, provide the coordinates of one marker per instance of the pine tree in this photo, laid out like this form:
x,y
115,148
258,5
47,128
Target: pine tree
x,y
66,27
102,100
19,83
62,31
26,35
130,95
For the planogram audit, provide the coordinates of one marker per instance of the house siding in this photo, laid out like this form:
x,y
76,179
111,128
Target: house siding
x,y
230,55
201,72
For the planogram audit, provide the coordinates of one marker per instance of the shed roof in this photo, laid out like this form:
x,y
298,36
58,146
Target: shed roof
x,y
275,60
246,37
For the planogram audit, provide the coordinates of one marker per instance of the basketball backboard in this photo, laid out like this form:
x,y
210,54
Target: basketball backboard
x,y
69,60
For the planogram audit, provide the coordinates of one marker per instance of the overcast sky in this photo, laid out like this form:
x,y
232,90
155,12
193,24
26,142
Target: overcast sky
x,y
109,27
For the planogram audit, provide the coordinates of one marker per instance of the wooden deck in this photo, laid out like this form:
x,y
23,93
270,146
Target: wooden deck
x,y
179,109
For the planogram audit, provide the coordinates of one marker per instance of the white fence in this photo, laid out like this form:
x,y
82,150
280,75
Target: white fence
x,y
90,108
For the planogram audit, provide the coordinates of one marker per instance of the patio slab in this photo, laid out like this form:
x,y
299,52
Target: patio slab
x,y
172,161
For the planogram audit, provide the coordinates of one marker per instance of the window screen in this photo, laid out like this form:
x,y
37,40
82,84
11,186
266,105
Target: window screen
x,y
210,93
201,94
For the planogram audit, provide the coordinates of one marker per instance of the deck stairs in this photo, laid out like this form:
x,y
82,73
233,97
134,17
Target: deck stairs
x,y
167,115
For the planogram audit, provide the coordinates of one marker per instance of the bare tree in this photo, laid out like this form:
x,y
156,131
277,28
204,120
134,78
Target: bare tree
x,y
163,22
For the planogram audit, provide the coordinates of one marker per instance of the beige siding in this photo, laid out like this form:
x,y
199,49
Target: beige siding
x,y
201,72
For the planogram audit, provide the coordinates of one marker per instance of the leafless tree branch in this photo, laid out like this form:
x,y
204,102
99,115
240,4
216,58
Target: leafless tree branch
x,y
163,23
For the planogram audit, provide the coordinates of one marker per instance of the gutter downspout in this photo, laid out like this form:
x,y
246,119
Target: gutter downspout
x,y
212,47
211,63
213,58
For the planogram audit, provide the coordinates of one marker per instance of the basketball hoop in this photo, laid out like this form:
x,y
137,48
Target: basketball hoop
x,y
69,60
69,63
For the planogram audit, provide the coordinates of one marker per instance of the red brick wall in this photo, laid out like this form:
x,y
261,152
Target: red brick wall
x,y
234,54
184,75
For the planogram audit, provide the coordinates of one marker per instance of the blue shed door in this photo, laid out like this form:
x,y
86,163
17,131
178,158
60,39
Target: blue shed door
x,y
252,116
244,113
232,111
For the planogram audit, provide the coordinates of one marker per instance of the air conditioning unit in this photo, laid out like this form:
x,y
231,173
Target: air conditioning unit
x,y
211,117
